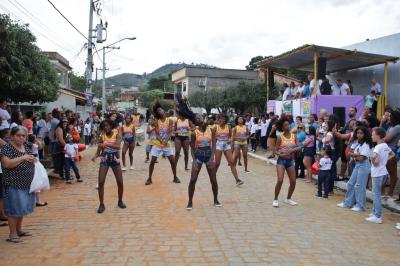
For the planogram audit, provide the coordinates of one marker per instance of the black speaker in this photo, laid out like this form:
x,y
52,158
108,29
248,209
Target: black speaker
x,y
340,113
271,82
321,67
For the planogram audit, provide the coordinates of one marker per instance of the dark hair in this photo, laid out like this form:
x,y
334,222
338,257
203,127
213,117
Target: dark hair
x,y
315,117
4,132
183,108
300,118
170,112
15,117
327,150
331,125
271,114
388,108
395,118
55,113
223,115
156,105
312,131
255,121
280,122
72,121
31,138
381,132
113,124
367,136
355,108
237,120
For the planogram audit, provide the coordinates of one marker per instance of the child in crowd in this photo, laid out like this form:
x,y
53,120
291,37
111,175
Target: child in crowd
x,y
324,174
370,99
33,143
71,157
87,132
380,155
151,136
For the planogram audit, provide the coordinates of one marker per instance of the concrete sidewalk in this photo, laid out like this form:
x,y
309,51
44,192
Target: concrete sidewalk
x,y
341,185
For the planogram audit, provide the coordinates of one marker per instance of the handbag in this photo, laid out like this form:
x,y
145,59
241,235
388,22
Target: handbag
x,y
40,179
315,168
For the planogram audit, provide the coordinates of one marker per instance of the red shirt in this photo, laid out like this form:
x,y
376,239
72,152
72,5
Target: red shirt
x,y
28,123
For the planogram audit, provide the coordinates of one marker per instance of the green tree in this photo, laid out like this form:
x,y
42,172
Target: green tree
x,y
160,83
253,61
147,98
26,74
77,82
208,99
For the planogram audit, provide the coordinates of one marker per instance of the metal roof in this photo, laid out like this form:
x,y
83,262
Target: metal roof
x,y
302,58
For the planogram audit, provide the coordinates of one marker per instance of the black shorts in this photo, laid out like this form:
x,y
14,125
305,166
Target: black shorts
x,y
182,138
46,141
309,152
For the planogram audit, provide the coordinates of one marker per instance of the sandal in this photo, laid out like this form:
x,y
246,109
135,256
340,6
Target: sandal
x,y
24,234
14,240
41,204
3,224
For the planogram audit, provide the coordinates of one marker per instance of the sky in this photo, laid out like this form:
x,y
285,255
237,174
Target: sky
x,y
223,33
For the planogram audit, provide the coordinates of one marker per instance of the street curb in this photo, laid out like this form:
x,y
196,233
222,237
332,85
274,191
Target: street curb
x,y
341,185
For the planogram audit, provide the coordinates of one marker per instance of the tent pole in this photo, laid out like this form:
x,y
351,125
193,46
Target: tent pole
x,y
267,82
315,72
385,83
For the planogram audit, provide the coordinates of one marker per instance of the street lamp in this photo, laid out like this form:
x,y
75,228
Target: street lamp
x,y
110,46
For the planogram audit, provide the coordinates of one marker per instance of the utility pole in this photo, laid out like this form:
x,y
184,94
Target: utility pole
x,y
89,62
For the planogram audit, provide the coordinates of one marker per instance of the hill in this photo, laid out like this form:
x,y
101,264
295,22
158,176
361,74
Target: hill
x,y
136,80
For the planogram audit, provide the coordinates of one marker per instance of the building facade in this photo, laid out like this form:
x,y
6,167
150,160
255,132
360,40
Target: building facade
x,y
361,78
190,79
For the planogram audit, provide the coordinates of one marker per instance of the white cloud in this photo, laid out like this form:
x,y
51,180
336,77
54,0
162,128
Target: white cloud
x,y
217,32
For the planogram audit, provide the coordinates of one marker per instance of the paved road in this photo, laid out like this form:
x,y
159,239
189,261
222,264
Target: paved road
x,y
155,229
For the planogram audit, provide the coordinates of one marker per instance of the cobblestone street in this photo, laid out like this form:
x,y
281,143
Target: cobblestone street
x,y
155,229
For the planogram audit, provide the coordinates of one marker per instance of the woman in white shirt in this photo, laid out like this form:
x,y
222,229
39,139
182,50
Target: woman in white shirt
x,y
253,135
356,187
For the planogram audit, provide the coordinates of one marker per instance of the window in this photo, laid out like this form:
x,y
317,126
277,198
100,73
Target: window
x,y
184,87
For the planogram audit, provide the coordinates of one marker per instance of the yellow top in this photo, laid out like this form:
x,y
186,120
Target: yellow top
x,y
182,127
164,132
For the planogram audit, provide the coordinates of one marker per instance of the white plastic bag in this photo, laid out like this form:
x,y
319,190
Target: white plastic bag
x,y
40,179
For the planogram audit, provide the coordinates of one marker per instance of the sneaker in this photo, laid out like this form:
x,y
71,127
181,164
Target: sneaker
x,y
79,180
123,168
246,171
189,207
290,202
271,157
356,209
374,219
371,214
217,204
147,160
239,182
176,180
148,182
275,204
397,226
318,196
340,205
121,204
97,186
132,168
101,208
68,182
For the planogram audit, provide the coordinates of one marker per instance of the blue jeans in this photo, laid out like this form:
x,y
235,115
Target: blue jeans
x,y
334,157
357,185
70,162
377,183
324,178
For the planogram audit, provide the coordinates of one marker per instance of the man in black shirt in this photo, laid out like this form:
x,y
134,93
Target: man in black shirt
x,y
326,87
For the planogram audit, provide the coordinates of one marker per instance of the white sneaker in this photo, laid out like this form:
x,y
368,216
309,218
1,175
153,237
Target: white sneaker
x,y
340,205
290,202
371,214
374,219
132,168
275,204
123,168
356,209
397,226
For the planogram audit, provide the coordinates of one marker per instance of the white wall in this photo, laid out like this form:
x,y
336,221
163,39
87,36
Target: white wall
x,y
64,101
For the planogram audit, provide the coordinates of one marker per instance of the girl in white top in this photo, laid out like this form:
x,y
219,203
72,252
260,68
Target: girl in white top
x,y
381,154
356,187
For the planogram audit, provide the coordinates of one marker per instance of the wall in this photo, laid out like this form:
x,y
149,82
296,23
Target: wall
x,y
361,78
64,101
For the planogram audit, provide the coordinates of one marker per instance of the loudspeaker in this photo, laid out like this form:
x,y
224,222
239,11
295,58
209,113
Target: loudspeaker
x,y
321,67
271,82
340,113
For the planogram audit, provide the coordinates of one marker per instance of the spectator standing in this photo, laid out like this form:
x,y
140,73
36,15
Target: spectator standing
x,y
253,135
380,155
28,122
306,89
370,99
60,133
327,88
376,87
299,155
18,169
343,87
71,157
52,136
16,119
392,138
43,132
312,85
4,115
287,92
87,132
325,165
264,126
350,86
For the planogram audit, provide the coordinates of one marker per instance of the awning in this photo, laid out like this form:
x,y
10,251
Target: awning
x,y
302,58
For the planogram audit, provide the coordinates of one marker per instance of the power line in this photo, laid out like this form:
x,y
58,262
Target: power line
x,y
69,21
36,30
40,23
